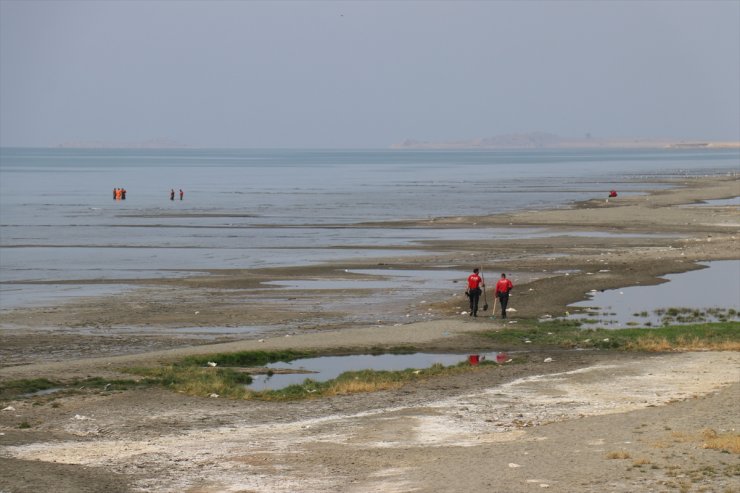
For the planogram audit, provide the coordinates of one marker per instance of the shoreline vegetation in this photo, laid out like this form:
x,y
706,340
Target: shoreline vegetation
x,y
632,404
227,374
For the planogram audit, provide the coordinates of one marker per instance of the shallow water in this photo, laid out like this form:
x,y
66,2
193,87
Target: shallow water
x,y
718,203
716,286
329,367
269,208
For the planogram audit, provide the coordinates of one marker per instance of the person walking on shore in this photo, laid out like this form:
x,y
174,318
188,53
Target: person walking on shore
x,y
172,194
503,286
475,282
182,194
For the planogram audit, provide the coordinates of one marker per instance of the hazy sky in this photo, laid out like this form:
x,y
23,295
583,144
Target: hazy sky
x,y
365,74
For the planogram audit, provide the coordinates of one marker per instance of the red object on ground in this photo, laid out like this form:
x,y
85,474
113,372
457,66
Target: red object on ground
x,y
613,193
501,358
473,359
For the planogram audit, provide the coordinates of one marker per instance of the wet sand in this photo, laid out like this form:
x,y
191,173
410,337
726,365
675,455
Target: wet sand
x,y
440,436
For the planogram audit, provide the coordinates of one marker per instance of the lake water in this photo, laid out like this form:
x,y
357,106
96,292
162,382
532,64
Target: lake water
x,y
267,208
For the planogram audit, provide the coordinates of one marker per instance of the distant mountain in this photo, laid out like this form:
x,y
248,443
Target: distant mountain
x,y
147,144
544,140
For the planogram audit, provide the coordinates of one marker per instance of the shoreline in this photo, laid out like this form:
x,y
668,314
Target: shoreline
x,y
680,237
460,432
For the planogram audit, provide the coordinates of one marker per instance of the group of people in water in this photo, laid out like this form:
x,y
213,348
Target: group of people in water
x,y
120,194
473,292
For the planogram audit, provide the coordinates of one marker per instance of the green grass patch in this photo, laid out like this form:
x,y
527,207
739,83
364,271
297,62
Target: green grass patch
x,y
568,334
22,388
27,386
197,380
245,358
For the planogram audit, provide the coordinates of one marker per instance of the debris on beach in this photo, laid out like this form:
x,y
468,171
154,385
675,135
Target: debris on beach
x,y
214,396
548,360
212,363
9,408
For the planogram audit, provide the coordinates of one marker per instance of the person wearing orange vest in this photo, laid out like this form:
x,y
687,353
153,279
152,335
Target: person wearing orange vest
x,y
475,282
503,286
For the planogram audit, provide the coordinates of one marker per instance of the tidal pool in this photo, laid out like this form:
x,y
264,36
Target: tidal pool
x,y
328,367
717,202
707,294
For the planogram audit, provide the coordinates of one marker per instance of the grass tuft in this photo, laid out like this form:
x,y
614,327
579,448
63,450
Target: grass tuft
x,y
619,454
727,442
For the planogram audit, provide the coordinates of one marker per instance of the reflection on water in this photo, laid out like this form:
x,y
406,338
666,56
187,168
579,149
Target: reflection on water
x,y
329,367
716,286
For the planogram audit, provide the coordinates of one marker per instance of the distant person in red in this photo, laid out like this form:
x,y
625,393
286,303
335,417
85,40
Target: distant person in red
x,y
613,193
181,194
503,286
172,194
475,282
119,193
123,194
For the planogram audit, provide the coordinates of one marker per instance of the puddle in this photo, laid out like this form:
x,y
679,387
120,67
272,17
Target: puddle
x,y
42,392
247,329
717,203
329,367
711,292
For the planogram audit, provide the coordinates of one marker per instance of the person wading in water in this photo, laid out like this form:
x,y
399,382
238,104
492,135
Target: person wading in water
x,y
475,282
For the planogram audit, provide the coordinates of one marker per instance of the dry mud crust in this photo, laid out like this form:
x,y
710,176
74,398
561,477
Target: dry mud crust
x,y
523,426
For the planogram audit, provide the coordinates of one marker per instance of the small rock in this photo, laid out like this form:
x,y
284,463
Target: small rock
x,y
511,464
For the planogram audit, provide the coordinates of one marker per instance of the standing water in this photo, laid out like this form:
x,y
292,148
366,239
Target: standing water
x,y
267,208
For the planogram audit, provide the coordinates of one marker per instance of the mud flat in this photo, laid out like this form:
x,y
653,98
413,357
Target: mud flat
x,y
583,421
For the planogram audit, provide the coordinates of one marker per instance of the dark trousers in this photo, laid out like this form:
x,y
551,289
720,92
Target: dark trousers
x,y
474,297
503,298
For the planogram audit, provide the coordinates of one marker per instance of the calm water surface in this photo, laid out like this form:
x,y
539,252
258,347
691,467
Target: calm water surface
x,y
266,208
